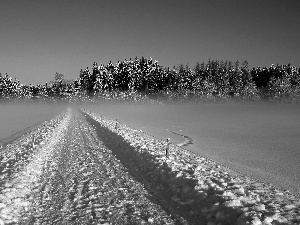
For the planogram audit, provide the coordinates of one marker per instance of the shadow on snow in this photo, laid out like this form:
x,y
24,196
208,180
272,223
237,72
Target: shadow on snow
x,y
156,182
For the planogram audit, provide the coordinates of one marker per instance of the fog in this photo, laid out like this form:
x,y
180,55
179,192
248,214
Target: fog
x,y
261,140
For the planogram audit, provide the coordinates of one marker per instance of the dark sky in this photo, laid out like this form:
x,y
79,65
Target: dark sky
x,y
39,37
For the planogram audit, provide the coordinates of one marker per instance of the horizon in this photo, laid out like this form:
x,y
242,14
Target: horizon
x,y
40,38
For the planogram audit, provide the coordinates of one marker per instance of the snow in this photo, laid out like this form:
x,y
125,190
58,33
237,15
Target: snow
x,y
242,201
15,118
259,140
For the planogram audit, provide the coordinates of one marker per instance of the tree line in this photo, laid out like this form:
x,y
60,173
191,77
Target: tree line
x,y
144,78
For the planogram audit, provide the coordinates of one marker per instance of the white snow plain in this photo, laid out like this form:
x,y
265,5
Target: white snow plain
x,y
258,140
16,119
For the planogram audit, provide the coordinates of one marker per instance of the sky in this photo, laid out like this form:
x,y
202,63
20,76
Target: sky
x,y
40,37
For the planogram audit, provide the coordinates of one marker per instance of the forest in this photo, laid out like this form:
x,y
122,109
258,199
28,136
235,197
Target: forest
x,y
144,79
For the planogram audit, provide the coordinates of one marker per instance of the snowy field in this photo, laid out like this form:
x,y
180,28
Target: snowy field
x,y
259,140
83,168
15,119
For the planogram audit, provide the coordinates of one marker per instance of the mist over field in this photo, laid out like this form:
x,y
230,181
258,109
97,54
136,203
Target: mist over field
x,y
257,139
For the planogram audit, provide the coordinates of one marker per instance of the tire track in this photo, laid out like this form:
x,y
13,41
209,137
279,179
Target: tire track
x,y
84,183
16,198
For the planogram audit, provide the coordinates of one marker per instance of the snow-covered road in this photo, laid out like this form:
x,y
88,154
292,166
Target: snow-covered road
x,y
83,168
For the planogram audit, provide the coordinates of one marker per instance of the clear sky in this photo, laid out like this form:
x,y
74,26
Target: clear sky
x,y
41,37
